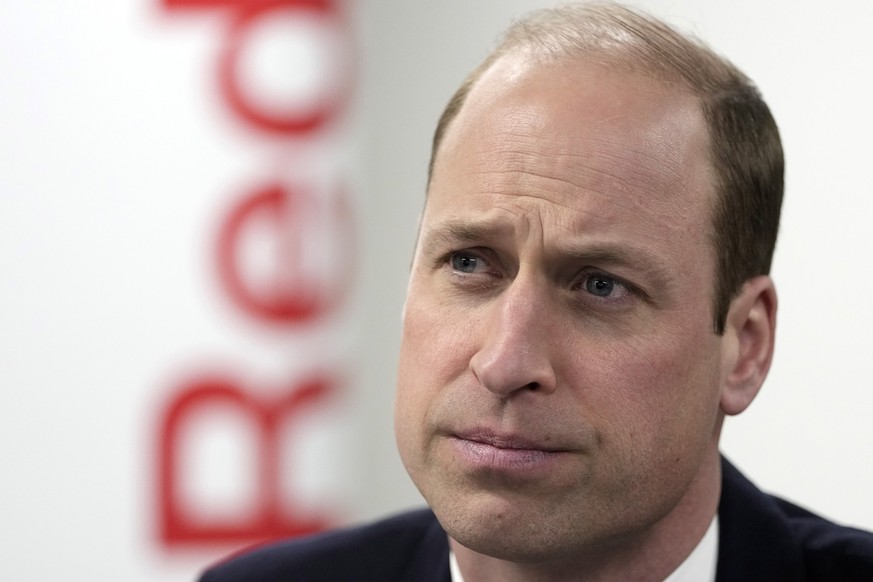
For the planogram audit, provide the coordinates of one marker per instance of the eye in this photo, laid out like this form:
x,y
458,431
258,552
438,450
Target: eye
x,y
471,262
604,286
472,268
600,285
465,262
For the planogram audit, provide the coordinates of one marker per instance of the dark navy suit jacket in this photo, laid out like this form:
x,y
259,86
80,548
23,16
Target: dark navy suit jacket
x,y
761,538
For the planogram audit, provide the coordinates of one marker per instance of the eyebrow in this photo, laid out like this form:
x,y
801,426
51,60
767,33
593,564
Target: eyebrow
x,y
608,254
454,232
622,255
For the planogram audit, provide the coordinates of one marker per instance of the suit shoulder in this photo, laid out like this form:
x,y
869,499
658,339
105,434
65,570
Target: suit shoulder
x,y
380,550
831,551
765,538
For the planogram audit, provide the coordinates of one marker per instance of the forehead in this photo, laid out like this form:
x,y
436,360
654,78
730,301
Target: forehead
x,y
604,141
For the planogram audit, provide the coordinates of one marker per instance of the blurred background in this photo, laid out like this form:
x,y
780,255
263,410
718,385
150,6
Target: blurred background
x,y
207,212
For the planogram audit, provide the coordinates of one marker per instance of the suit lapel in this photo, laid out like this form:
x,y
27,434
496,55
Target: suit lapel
x,y
430,560
755,542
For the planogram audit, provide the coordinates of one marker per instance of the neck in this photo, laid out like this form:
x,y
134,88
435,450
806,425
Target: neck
x,y
651,554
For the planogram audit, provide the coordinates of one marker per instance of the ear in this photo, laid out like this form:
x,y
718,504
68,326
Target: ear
x,y
750,331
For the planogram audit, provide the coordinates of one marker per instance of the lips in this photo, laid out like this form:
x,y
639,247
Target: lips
x,y
504,441
483,450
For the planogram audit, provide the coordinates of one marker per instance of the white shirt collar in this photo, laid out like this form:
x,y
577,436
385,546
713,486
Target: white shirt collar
x,y
699,566
701,562
454,569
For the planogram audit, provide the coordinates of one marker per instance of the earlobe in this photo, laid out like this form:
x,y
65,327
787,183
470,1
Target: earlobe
x,y
751,323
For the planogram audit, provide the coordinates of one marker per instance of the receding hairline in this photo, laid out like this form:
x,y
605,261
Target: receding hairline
x,y
618,38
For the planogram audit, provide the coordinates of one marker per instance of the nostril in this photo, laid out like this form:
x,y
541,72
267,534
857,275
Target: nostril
x,y
533,386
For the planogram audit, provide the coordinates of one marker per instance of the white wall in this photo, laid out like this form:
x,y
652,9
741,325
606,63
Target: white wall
x,y
118,161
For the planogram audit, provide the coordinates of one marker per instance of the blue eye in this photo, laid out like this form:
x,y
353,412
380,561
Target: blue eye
x,y
599,285
605,286
464,263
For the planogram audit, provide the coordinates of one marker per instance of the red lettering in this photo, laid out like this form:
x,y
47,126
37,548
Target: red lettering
x,y
270,520
305,234
312,232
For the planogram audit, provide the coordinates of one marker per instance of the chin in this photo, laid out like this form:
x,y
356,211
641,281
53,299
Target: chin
x,y
502,528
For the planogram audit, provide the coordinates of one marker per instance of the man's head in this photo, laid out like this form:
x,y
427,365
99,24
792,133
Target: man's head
x,y
561,386
744,145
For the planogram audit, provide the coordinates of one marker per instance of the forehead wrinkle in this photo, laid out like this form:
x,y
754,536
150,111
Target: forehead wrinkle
x,y
601,166
528,186
621,188
591,198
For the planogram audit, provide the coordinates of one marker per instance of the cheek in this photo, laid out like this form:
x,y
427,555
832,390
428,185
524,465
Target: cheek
x,y
654,395
434,353
434,346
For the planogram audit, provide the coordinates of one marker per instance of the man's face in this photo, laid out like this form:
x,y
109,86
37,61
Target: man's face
x,y
559,376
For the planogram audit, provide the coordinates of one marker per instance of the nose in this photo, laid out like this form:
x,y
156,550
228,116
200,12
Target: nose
x,y
514,354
